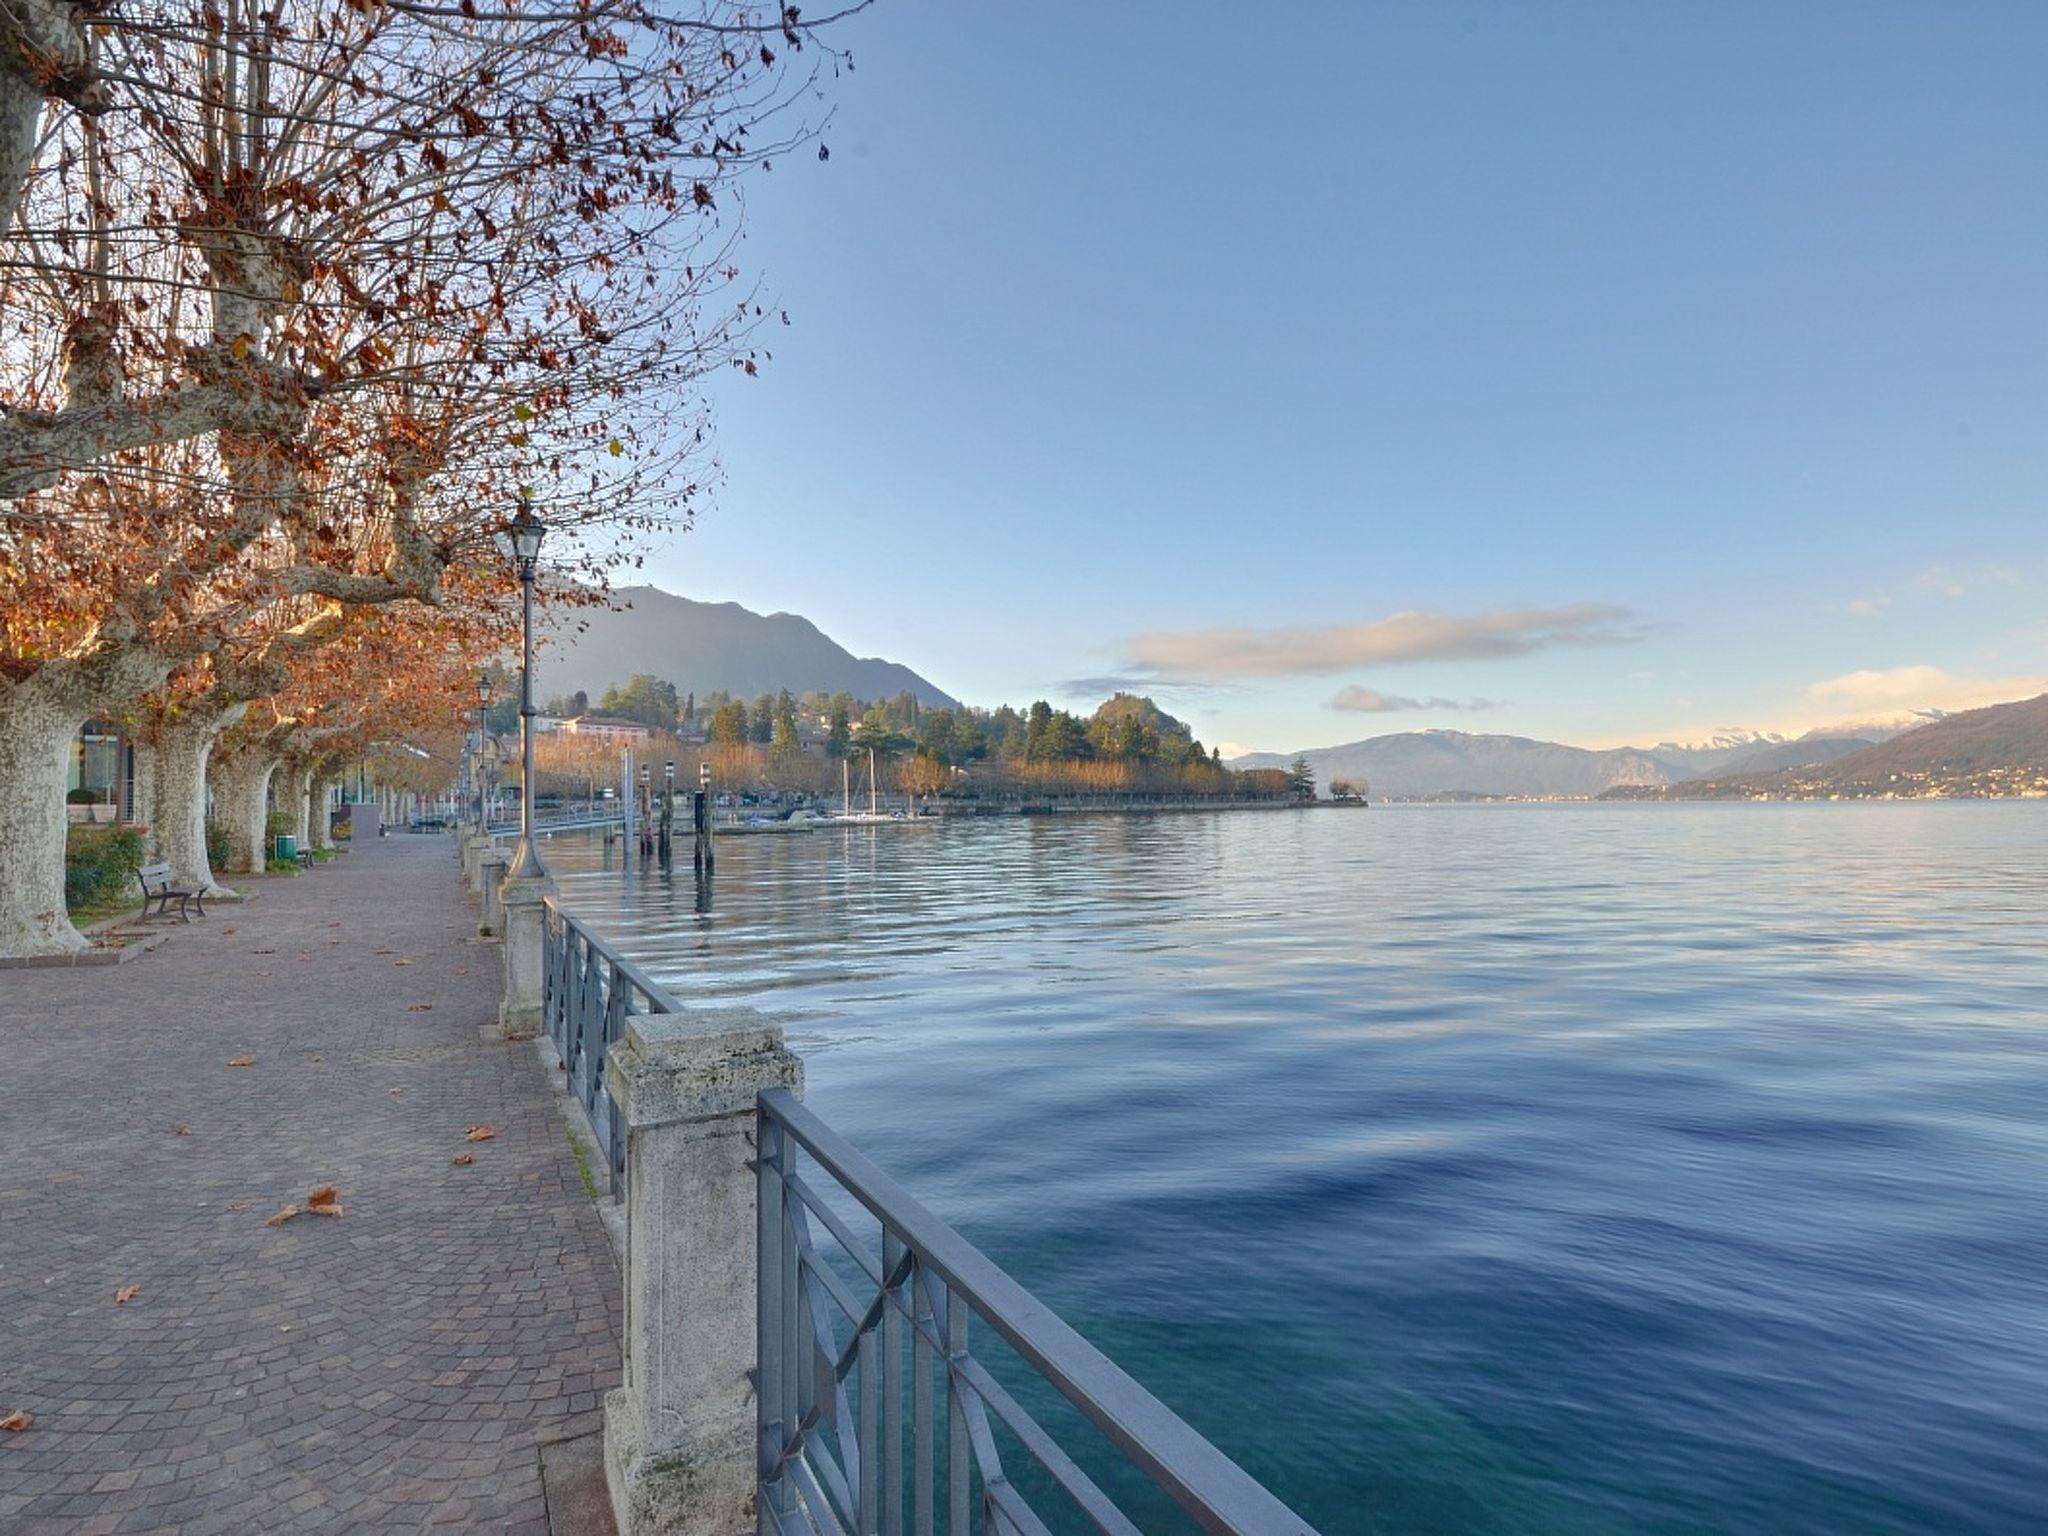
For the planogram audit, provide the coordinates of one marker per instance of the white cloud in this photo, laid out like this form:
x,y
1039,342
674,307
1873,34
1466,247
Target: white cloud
x,y
1870,607
1916,690
1360,700
1307,650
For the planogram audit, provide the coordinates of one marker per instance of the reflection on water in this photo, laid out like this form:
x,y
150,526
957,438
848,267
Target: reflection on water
x,y
1572,1168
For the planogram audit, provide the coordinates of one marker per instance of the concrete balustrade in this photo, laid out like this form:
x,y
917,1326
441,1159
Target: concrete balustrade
x,y
679,1439
524,928
492,863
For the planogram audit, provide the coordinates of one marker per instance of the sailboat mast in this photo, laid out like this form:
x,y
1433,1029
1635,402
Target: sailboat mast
x,y
845,789
871,781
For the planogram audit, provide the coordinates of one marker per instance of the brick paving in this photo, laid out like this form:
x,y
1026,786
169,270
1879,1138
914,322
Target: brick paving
x,y
395,1369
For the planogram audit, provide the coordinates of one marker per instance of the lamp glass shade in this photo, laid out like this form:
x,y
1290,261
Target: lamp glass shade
x,y
526,535
483,687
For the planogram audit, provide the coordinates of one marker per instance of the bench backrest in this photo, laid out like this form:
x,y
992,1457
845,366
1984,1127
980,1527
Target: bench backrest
x,y
154,877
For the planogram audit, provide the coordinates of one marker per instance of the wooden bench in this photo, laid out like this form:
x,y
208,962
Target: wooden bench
x,y
157,887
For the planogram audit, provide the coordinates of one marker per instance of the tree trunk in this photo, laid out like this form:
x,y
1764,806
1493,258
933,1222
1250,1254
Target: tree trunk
x,y
319,813
142,803
36,733
241,803
178,819
294,792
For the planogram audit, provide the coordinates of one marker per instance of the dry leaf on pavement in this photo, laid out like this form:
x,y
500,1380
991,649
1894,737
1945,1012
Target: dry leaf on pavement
x,y
16,1421
478,1133
463,1159
241,1061
324,1201
421,1008
127,1293
181,1130
282,1216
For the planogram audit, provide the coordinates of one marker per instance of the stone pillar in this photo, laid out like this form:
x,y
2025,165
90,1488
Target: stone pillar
x,y
492,863
679,1436
519,1013
474,846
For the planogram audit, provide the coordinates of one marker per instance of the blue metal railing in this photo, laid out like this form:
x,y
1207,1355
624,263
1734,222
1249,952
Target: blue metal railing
x,y
834,1378
588,992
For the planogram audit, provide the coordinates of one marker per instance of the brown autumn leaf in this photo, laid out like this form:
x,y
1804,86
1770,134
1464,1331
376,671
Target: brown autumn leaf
x,y
324,1201
282,1216
421,1008
463,1159
181,1130
126,1293
238,1205
396,1092
241,1061
225,932
16,1421
383,951
478,1133
401,962
462,970
262,951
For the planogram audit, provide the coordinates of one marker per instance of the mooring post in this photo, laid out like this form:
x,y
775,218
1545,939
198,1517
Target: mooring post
x,y
679,1436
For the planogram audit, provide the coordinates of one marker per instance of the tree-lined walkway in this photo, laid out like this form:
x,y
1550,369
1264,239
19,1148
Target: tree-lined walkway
x,y
389,1369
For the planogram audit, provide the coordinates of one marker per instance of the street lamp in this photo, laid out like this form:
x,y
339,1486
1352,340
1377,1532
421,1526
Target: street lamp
x,y
483,700
527,531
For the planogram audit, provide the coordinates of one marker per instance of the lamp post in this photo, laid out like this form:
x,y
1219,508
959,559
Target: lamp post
x,y
483,701
527,531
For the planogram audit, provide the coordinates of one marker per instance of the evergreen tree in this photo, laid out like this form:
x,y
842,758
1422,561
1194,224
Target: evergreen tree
x,y
1301,778
838,732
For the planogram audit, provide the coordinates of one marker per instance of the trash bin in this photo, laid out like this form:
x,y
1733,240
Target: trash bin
x,y
287,846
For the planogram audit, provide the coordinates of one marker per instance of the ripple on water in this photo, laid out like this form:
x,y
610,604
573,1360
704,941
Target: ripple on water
x,y
1567,1169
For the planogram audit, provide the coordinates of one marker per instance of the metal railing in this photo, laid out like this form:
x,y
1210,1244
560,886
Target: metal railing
x,y
833,1376
588,992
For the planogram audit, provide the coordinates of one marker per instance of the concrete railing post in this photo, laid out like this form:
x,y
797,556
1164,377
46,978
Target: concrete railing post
x,y
474,846
523,923
679,1436
493,863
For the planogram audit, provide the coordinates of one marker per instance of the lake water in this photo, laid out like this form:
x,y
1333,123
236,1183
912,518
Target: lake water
x,y
1470,1169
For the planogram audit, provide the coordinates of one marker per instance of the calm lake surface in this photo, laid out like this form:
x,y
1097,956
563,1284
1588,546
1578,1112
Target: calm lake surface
x,y
1469,1169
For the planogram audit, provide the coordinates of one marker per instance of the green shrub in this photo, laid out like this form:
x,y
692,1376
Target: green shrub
x,y
86,795
276,824
217,848
100,865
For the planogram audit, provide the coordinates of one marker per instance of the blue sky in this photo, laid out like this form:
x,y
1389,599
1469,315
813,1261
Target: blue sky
x,y
1596,372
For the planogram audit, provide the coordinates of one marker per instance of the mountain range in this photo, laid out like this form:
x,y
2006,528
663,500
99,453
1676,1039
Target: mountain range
x,y
2001,750
1414,765
708,647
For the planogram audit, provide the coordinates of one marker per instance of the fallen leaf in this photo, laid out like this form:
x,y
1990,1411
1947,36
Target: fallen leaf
x,y
303,955
478,1133
383,951
515,1038
396,1092
264,973
463,1159
401,962
462,970
319,1058
127,1293
282,1216
181,1130
16,1421
225,932
325,1194
238,1205
421,1008
241,1061
262,951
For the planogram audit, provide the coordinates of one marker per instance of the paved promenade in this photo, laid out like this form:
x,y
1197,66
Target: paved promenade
x,y
394,1368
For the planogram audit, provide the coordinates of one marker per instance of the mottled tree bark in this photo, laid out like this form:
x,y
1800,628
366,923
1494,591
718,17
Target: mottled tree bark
x,y
241,803
178,826
36,731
